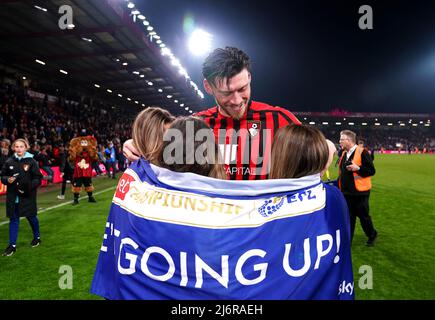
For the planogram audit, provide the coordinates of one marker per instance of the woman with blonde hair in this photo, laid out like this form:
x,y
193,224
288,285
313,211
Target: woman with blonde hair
x,y
20,173
147,132
298,151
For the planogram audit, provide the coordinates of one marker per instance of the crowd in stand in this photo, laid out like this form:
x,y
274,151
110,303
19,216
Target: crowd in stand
x,y
380,139
49,126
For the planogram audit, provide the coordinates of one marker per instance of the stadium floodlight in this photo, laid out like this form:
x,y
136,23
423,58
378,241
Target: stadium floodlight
x,y
141,17
156,36
125,63
377,124
149,83
129,99
351,123
87,39
150,28
135,12
187,108
135,101
414,124
169,96
159,41
193,84
24,78
146,23
40,62
190,111
71,26
200,42
364,123
117,60
119,95
130,5
166,51
175,62
325,123
142,76
427,124
136,72
152,33
109,91
40,8
176,101
159,90
96,85
312,122
181,104
421,122
402,124
389,124
338,123
63,71
162,45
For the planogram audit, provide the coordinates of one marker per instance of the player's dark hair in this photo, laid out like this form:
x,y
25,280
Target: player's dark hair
x,y
224,63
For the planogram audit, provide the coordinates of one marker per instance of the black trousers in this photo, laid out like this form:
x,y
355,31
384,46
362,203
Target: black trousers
x,y
359,207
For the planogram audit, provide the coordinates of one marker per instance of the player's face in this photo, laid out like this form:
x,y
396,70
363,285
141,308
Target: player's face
x,y
232,97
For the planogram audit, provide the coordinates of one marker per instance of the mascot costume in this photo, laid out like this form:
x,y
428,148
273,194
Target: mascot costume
x,y
82,152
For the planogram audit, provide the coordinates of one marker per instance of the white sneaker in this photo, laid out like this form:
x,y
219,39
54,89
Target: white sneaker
x,y
61,197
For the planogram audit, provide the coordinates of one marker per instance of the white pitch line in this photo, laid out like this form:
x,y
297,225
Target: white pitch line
x,y
63,204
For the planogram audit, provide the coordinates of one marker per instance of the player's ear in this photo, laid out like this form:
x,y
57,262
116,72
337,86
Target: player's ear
x,y
207,87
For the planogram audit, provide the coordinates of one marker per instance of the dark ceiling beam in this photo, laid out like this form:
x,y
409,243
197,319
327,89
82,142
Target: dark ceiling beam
x,y
59,33
79,55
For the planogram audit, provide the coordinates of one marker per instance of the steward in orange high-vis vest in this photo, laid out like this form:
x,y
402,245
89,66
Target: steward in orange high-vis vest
x,y
355,169
361,183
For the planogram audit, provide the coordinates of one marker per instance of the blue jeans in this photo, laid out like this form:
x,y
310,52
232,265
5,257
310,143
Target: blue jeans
x,y
14,223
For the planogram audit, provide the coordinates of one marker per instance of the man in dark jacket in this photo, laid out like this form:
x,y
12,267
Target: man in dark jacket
x,y
355,169
66,170
20,173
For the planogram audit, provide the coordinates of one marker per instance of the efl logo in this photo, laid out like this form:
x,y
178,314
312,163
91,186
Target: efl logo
x,y
123,186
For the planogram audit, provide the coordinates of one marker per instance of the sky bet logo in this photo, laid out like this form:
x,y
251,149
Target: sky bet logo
x,y
345,288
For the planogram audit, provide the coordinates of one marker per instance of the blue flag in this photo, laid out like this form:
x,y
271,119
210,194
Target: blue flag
x,y
183,236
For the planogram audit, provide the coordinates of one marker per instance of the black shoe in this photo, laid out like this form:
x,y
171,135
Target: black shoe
x,y
92,199
35,242
76,202
10,250
371,241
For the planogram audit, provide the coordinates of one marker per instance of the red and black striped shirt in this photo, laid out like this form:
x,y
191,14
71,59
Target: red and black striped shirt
x,y
245,144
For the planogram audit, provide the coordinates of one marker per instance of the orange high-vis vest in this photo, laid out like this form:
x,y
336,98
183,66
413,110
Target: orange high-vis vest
x,y
361,183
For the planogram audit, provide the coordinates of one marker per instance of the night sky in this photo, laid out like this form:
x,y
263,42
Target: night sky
x,y
311,55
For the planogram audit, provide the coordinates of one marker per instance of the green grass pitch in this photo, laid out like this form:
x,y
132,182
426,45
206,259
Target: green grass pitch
x,y
402,205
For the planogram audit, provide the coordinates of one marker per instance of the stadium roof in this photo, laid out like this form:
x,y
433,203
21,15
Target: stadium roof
x,y
105,54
